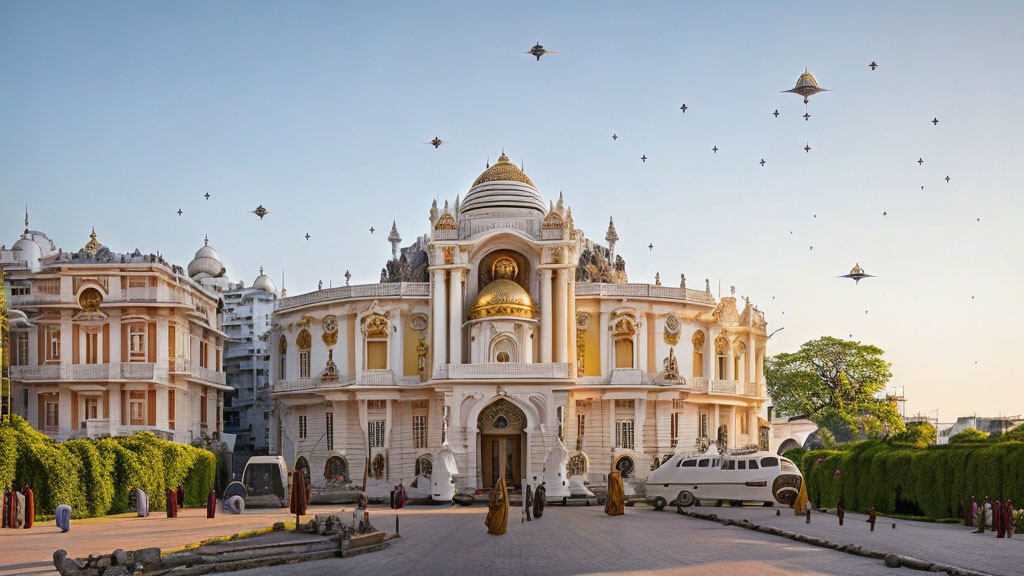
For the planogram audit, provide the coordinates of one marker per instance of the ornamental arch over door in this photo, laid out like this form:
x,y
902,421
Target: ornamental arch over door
x,y
502,427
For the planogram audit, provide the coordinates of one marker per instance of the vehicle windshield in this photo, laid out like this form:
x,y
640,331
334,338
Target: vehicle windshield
x,y
263,480
788,466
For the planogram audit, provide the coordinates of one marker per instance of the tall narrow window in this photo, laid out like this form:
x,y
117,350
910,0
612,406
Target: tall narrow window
x,y
419,431
304,364
92,408
675,429
698,353
92,347
330,430
204,354
302,426
170,409
21,342
137,343
137,408
581,425
624,434
704,425
376,433
52,344
52,411
202,410
304,342
560,414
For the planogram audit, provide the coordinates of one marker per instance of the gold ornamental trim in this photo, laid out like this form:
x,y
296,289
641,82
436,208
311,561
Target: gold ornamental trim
x,y
503,170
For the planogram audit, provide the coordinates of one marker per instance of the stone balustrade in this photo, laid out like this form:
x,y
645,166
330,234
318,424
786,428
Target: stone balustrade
x,y
365,291
376,378
723,386
505,370
46,372
626,376
643,291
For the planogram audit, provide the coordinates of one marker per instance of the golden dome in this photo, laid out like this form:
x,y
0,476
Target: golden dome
x,y
503,170
504,296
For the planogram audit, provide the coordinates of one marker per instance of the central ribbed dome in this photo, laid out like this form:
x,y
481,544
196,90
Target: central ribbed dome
x,y
503,170
502,298
503,186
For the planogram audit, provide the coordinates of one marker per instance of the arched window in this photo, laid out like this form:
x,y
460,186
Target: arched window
x,y
721,348
282,357
624,352
698,353
375,335
624,330
503,349
737,359
336,470
304,342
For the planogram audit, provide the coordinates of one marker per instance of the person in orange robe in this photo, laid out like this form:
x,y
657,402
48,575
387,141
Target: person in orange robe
x,y
497,509
30,507
615,503
800,504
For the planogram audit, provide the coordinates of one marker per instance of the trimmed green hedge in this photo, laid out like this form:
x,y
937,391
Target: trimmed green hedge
x,y
934,481
95,476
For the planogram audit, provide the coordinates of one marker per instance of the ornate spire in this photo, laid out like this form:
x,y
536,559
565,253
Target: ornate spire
x,y
433,212
261,270
92,246
559,205
394,238
26,218
348,276
611,238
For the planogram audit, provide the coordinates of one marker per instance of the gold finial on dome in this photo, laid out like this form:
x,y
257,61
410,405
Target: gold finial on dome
x,y
503,169
92,246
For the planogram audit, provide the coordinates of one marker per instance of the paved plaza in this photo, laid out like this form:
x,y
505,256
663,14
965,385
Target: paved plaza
x,y
566,541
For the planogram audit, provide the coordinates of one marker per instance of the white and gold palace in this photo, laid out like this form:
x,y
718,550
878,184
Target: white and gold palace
x,y
508,337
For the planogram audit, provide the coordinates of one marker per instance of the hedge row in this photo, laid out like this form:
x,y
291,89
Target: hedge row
x,y
934,481
95,476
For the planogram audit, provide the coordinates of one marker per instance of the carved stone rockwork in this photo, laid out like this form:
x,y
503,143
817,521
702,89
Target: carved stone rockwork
x,y
593,266
411,266
671,366
581,349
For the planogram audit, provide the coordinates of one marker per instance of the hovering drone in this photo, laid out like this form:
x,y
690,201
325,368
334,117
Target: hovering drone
x,y
539,51
857,274
806,86
436,142
261,211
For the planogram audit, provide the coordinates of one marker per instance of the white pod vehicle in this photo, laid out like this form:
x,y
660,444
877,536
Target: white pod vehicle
x,y
761,477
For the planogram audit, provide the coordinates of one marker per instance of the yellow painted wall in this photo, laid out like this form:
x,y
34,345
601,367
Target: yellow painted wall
x,y
410,359
592,342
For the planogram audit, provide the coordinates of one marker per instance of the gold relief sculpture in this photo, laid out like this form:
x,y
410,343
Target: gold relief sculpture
x,y
90,299
577,465
671,366
331,370
502,415
698,341
92,246
553,221
421,357
449,254
582,321
78,281
330,338
375,326
739,348
418,322
282,345
721,345
581,349
672,328
446,222
486,268
625,324
726,313
304,341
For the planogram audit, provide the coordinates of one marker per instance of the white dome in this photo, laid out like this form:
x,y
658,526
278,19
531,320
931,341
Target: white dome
x,y
264,283
206,264
503,186
28,250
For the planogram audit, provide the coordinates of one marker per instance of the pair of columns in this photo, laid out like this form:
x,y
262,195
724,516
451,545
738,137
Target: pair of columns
x,y
556,308
447,349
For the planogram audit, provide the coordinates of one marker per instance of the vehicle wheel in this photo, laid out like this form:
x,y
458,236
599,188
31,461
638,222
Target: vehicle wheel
x,y
735,503
718,503
685,499
660,503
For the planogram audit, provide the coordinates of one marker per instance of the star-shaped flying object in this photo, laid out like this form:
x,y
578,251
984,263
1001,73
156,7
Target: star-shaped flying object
x,y
308,236
644,158
436,142
179,211
873,65
650,246
372,229
715,149
807,147
857,274
683,108
920,161
762,162
947,179
539,51
207,195
884,214
614,137
261,211
935,121
776,113
807,116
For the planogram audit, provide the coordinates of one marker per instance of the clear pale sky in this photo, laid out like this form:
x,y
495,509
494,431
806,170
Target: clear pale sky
x,y
117,114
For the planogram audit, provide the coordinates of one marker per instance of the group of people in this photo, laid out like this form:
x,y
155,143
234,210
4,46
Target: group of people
x,y
18,509
997,516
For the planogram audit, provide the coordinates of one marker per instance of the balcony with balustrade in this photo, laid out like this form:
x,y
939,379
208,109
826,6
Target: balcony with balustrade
x,y
504,371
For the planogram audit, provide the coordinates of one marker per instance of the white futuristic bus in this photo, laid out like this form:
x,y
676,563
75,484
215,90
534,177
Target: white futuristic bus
x,y
737,478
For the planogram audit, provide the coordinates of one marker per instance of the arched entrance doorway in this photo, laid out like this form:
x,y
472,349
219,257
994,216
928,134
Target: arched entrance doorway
x,y
501,426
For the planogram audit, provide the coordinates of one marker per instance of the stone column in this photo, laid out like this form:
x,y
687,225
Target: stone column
x,y
396,361
751,372
752,424
455,319
440,321
545,315
605,343
733,429
66,341
639,417
561,315
730,369
571,307
713,428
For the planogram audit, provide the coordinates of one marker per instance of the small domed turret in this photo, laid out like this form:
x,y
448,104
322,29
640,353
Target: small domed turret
x,y
206,264
264,283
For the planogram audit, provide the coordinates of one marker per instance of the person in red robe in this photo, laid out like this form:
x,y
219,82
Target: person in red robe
x,y
30,507
997,519
5,510
211,504
1008,520
181,498
172,504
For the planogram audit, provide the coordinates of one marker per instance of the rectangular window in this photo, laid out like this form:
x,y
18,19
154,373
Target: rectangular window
x,y
419,431
561,421
623,405
204,354
581,425
302,427
624,434
137,408
704,425
52,415
217,365
202,410
52,344
376,404
92,351
170,409
304,364
376,433
376,354
675,429
282,370
21,343
92,408
137,343
329,421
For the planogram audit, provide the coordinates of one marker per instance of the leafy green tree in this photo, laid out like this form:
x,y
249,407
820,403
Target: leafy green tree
x,y
968,436
1015,434
917,434
836,383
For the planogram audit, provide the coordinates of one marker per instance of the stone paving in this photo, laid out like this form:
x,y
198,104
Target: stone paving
x,y
951,544
582,540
